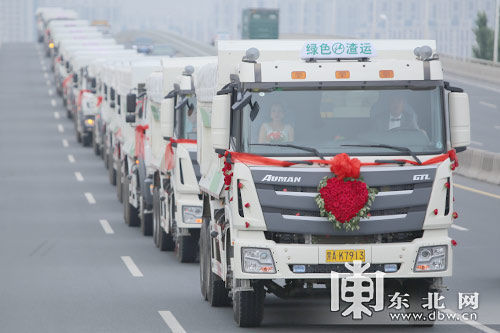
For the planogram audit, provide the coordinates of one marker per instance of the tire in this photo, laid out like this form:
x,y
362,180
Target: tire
x,y
186,248
248,306
119,184
203,259
156,216
111,170
87,139
78,137
95,146
216,292
130,213
146,220
417,290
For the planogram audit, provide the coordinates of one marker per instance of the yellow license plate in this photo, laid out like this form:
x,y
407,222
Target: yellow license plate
x,y
345,255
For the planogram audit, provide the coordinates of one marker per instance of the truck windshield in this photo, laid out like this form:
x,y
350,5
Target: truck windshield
x,y
186,118
332,120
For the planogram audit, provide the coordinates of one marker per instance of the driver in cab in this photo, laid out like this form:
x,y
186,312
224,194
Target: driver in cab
x,y
398,115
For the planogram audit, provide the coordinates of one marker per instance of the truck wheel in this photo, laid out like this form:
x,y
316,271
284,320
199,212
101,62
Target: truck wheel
x,y
203,258
156,217
417,290
78,136
95,146
217,294
146,219
119,184
130,213
111,170
87,139
186,248
248,306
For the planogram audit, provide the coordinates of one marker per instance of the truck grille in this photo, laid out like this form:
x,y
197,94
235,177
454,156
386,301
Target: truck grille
x,y
339,268
287,198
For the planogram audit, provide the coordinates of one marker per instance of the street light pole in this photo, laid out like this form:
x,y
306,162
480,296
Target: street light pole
x,y
495,39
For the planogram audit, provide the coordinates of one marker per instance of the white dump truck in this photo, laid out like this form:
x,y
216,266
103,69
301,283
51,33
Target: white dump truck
x,y
131,178
86,99
97,71
286,117
172,139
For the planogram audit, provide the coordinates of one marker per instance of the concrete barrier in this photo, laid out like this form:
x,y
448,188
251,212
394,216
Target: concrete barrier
x,y
479,164
480,70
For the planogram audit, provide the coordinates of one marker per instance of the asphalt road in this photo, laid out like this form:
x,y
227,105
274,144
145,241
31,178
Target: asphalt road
x,y
68,263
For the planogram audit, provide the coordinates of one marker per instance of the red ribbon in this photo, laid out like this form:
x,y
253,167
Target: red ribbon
x,y
253,159
80,97
99,101
169,152
66,80
139,140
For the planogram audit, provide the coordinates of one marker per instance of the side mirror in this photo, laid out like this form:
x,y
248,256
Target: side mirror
x,y
75,78
221,113
112,105
130,118
167,117
93,83
458,104
112,94
131,102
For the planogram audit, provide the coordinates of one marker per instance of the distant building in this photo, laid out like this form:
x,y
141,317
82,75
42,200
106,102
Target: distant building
x,y
17,22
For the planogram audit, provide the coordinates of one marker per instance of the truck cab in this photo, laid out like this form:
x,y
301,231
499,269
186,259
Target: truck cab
x,y
281,113
132,181
177,201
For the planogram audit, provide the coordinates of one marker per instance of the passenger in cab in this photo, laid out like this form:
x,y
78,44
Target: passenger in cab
x,y
276,130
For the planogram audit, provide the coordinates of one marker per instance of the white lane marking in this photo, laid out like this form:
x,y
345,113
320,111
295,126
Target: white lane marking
x,y
65,143
467,188
497,127
472,323
107,228
46,75
51,92
79,176
454,226
71,158
171,322
44,68
489,105
54,103
48,83
56,115
90,198
132,267
60,128
477,143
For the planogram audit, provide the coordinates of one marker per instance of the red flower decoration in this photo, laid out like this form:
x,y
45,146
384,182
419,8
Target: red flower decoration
x,y
435,211
455,215
247,224
453,242
345,167
247,205
344,199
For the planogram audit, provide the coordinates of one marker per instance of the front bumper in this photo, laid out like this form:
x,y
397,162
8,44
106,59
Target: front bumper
x,y
314,255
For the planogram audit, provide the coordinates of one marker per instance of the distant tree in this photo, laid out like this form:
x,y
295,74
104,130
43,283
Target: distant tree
x,y
484,38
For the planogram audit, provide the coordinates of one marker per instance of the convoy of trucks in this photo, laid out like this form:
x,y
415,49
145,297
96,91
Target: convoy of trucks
x,y
224,159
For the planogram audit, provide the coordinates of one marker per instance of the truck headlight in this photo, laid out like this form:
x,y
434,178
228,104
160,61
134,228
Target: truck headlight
x,y
191,214
257,260
431,259
89,122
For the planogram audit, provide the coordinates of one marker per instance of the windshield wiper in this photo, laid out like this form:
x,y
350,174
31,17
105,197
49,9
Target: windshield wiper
x,y
402,149
309,149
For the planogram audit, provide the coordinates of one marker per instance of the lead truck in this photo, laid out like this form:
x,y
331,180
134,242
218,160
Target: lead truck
x,y
276,118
